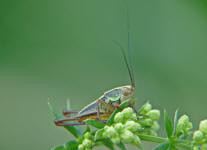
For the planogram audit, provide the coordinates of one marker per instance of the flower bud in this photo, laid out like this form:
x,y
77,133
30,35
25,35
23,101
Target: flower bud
x,y
87,135
105,134
203,126
154,114
115,140
183,119
155,126
146,122
183,124
127,136
111,132
197,136
87,143
119,117
119,127
133,117
152,132
132,126
136,140
80,147
196,148
127,112
145,108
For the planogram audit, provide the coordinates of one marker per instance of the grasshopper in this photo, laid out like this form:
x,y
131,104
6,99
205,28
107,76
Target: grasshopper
x,y
103,106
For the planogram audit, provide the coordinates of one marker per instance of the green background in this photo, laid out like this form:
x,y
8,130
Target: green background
x,y
60,49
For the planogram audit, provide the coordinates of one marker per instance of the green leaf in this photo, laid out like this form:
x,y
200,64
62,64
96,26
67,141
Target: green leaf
x,y
168,124
87,129
121,146
59,147
111,118
71,145
172,147
99,133
74,130
162,146
175,122
106,142
94,123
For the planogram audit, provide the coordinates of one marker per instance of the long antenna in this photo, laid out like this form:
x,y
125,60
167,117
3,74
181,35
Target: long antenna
x,y
126,62
128,37
129,65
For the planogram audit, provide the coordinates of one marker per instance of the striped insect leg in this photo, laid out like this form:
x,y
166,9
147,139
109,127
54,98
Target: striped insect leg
x,y
68,112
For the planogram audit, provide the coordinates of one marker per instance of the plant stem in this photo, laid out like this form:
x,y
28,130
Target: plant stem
x,y
152,138
183,143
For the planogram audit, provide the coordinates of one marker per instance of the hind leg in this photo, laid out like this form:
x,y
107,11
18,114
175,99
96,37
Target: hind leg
x,y
68,112
70,124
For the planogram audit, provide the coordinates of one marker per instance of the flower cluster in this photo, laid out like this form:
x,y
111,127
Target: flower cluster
x,y
124,128
127,125
86,142
149,120
200,136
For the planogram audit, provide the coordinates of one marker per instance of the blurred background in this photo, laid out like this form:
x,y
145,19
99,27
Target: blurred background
x,y
57,50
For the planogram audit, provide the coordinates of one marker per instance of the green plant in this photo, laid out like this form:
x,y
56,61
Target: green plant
x,y
123,127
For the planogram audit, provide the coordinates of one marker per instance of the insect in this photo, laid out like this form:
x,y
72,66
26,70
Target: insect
x,y
103,106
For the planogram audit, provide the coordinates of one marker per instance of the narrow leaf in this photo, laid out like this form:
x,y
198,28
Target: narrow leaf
x,y
59,147
168,124
162,146
121,146
94,123
99,133
108,144
172,147
175,122
74,130
87,129
111,118
71,145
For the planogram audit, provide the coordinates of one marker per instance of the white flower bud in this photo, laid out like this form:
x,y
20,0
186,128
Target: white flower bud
x,y
87,143
111,132
197,136
119,127
87,135
203,126
136,140
80,147
132,126
119,117
127,112
154,114
184,124
155,126
196,148
127,137
145,108
146,122
133,117
115,140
